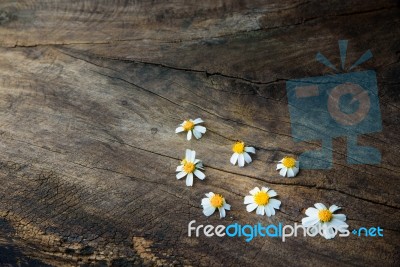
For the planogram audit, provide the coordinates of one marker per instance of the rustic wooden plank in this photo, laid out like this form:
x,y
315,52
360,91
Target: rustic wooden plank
x,y
91,93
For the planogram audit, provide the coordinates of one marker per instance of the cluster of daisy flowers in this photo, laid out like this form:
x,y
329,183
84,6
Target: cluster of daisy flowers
x,y
262,200
288,166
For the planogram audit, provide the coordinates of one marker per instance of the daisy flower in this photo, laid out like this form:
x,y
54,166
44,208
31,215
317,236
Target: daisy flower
x,y
262,200
191,127
288,166
323,218
190,166
212,202
241,153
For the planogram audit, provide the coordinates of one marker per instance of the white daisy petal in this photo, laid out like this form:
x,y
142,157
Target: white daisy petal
x,y
192,156
251,207
264,189
199,174
260,210
279,166
312,212
295,170
200,166
200,129
274,203
189,179
272,193
267,211
338,224
332,232
188,153
255,190
241,160
221,212
272,209
250,149
179,129
227,206
333,208
234,158
208,211
197,121
179,168
210,195
248,199
180,175
247,157
320,206
309,221
327,232
290,172
341,217
196,134
205,202
283,171
189,135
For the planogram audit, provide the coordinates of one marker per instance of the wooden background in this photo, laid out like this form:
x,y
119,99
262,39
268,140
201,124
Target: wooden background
x,y
92,91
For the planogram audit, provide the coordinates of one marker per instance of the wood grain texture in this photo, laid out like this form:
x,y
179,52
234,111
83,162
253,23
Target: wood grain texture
x,y
92,91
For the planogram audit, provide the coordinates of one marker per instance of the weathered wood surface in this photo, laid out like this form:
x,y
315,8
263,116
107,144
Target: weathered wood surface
x,y
91,93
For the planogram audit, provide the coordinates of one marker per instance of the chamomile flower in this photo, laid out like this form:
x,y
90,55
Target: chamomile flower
x,y
262,200
191,127
288,166
212,202
322,218
241,153
190,166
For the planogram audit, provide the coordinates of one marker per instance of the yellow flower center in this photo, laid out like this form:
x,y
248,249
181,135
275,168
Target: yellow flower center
x,y
217,201
189,167
325,215
238,147
188,125
289,162
261,198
